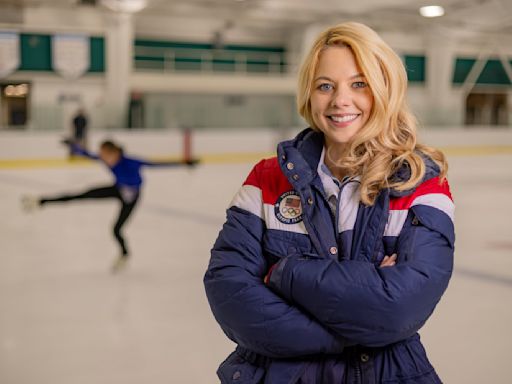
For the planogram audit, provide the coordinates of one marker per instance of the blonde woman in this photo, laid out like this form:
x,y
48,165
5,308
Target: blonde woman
x,y
335,253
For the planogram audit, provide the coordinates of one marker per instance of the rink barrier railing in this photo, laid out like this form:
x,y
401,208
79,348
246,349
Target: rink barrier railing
x,y
225,158
175,59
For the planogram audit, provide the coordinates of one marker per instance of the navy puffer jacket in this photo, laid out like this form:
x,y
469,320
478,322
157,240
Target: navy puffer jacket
x,y
329,313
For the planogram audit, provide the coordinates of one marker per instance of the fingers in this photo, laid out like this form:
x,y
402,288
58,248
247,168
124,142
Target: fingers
x,y
389,261
386,262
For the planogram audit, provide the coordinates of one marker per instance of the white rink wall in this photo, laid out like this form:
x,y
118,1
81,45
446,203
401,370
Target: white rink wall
x,y
35,145
25,145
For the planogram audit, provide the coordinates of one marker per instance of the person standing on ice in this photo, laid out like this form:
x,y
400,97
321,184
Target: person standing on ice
x,y
126,188
336,251
80,130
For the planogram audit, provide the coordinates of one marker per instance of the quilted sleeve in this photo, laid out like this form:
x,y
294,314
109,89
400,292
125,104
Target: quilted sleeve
x,y
375,306
249,313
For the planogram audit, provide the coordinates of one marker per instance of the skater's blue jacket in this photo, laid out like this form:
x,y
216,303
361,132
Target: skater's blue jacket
x,y
329,313
127,169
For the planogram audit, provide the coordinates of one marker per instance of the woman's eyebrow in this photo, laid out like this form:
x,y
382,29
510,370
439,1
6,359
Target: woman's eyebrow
x,y
324,78
331,80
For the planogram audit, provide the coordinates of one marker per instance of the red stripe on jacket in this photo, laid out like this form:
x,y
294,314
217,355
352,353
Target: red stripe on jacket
x,y
425,188
267,176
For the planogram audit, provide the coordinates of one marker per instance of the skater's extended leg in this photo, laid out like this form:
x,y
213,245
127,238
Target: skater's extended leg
x,y
95,193
124,214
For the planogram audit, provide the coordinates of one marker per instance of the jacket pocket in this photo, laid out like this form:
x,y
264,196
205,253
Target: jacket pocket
x,y
236,370
406,362
426,378
415,223
278,245
407,238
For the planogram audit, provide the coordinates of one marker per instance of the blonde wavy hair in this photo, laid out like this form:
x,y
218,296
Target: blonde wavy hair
x,y
388,139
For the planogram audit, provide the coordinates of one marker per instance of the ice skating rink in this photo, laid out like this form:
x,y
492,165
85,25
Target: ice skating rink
x,y
64,319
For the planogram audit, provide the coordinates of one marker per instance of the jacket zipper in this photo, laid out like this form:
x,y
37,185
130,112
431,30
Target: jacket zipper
x,y
358,374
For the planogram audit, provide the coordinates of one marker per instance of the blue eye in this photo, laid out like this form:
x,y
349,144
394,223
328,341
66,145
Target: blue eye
x,y
325,87
359,84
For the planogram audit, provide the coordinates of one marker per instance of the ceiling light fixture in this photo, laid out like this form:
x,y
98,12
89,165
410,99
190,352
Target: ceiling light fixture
x,y
432,11
19,90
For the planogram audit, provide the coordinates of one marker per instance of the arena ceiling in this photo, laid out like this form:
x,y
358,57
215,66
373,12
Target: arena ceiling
x,y
485,16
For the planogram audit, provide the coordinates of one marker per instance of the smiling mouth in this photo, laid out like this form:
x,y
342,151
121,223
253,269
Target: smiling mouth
x,y
343,118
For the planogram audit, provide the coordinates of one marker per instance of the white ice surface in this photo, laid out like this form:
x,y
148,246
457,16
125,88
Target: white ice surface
x,y
65,319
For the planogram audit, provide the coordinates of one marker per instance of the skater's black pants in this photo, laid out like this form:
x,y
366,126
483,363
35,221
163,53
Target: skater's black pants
x,y
128,201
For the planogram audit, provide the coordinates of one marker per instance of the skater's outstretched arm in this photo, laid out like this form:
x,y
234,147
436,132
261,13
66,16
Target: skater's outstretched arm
x,y
78,150
175,163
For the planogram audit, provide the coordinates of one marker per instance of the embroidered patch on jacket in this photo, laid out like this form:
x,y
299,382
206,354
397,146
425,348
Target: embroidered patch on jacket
x,y
288,208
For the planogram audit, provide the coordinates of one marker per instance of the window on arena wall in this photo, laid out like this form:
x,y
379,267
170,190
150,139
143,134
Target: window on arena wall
x,y
487,102
35,51
493,72
36,54
415,68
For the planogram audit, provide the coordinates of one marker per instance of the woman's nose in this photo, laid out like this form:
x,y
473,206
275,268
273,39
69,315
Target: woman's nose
x,y
341,97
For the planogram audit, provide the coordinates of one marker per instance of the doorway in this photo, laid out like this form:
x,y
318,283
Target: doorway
x,y
487,109
136,111
14,105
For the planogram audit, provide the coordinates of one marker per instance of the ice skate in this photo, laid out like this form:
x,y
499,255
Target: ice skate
x,y
119,264
30,203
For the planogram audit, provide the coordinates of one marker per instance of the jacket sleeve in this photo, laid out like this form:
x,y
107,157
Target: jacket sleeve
x,y
249,313
375,306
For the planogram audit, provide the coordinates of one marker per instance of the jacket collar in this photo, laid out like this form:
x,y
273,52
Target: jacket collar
x,y
299,159
431,170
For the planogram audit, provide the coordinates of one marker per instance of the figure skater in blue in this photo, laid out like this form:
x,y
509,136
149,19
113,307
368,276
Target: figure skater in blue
x,y
126,188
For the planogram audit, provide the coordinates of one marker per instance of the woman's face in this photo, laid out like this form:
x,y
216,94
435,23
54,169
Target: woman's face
x,y
341,100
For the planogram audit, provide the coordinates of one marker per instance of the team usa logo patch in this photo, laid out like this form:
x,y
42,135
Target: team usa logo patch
x,y
288,208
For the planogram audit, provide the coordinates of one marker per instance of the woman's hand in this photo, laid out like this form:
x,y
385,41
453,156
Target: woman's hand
x,y
389,261
266,279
